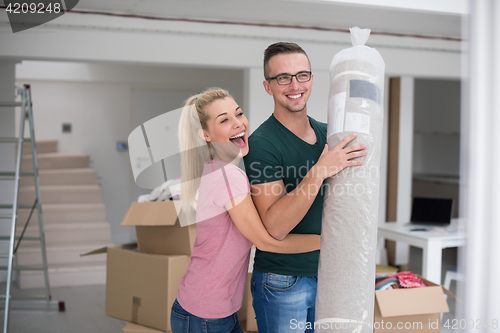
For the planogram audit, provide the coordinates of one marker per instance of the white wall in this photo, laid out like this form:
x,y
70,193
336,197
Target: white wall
x,y
77,37
480,160
105,103
256,98
7,150
445,6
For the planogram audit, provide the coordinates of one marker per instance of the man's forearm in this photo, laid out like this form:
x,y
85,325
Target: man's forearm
x,y
290,209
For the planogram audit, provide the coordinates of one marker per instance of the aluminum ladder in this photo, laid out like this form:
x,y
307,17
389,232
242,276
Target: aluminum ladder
x,y
42,302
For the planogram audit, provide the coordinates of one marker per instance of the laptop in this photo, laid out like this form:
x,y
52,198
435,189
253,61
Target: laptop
x,y
431,212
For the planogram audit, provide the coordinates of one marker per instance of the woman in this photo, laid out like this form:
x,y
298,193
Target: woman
x,y
213,133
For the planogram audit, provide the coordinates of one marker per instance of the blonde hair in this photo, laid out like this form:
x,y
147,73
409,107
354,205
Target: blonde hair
x,y
194,150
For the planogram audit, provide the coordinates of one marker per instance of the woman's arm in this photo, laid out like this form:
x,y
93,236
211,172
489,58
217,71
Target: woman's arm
x,y
247,220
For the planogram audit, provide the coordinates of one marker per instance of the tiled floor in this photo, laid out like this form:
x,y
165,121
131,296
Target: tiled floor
x,y
84,312
85,307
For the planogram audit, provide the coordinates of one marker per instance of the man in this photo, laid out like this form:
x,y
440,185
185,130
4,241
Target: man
x,y
286,166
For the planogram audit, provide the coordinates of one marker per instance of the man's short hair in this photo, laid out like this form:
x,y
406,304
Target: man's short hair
x,y
281,48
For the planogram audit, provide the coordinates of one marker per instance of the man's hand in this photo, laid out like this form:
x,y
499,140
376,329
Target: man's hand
x,y
340,157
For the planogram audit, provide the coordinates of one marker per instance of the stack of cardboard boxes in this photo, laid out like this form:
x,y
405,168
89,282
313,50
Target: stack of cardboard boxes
x,y
246,314
142,280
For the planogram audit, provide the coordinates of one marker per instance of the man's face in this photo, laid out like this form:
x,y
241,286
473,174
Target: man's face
x,y
292,97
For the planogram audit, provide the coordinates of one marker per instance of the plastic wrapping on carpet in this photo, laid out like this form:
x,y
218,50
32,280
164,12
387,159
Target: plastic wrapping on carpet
x,y
346,278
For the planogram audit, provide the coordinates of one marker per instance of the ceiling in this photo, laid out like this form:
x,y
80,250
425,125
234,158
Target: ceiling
x,y
305,13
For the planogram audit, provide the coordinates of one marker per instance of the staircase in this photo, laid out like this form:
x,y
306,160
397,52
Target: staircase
x,y
73,215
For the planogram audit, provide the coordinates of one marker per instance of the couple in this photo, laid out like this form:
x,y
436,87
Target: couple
x,y
284,218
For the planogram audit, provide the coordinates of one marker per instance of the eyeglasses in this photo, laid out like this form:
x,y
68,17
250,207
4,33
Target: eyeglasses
x,y
286,79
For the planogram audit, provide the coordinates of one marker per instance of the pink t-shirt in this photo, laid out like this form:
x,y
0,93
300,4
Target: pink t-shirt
x,y
214,283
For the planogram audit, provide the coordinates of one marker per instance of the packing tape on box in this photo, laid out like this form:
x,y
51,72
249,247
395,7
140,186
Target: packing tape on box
x,y
136,303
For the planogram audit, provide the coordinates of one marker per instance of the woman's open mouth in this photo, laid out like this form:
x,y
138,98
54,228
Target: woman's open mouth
x,y
239,139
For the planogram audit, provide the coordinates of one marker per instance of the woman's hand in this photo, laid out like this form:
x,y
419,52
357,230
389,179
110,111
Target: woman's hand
x,y
247,220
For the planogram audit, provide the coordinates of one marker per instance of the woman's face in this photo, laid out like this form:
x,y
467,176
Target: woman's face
x,y
227,129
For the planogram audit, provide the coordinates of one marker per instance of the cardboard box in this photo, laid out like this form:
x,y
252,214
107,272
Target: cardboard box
x,y
384,270
246,314
158,228
141,287
410,310
133,328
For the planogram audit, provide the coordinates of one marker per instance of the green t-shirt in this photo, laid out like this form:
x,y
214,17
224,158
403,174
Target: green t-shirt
x,y
278,154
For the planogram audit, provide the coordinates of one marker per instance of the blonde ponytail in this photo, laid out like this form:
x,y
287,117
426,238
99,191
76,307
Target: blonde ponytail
x,y
194,150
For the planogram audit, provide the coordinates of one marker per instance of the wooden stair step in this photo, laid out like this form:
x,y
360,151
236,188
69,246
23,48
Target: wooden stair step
x,y
56,161
61,213
61,254
65,275
52,194
71,233
42,147
85,176
74,219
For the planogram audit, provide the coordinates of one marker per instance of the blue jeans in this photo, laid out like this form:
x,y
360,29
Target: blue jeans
x,y
283,303
182,321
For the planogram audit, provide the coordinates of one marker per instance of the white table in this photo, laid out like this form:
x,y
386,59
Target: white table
x,y
432,242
